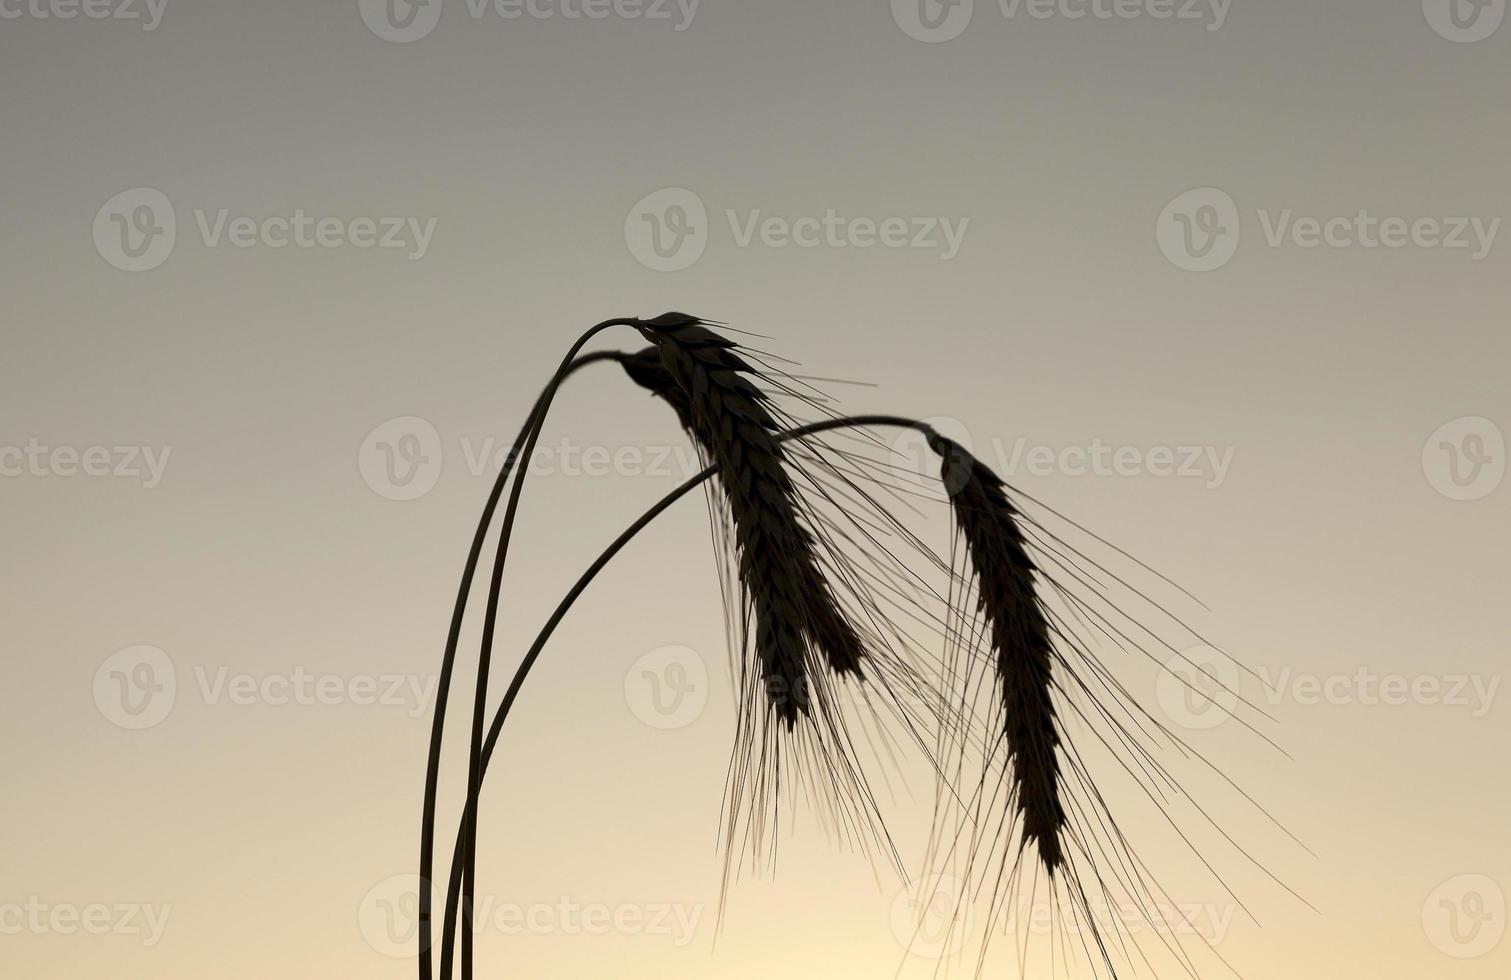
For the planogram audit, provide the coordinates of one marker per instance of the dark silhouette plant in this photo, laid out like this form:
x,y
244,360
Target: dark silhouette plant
x,y
816,607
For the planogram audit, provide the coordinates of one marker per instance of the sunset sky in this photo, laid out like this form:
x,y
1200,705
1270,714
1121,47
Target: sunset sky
x,y
282,279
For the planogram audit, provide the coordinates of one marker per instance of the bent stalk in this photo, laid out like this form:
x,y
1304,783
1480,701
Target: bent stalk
x,y
448,662
495,585
468,825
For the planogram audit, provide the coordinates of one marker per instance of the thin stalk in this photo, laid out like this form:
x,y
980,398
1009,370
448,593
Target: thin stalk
x,y
455,884
495,586
468,826
448,662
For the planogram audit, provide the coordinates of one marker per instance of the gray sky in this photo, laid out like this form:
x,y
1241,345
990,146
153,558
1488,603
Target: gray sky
x,y
1228,286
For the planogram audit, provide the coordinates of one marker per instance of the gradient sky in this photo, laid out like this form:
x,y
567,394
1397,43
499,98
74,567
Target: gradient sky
x,y
1344,511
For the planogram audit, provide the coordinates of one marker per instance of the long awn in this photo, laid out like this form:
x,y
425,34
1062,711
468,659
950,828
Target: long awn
x,y
815,602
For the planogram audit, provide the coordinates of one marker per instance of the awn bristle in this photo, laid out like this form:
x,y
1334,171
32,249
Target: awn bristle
x,y
1021,642
794,610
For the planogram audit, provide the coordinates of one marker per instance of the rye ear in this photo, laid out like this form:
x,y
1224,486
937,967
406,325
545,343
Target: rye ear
x,y
1021,645
799,627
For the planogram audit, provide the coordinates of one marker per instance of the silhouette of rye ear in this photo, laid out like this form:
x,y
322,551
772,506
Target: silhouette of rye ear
x,y
799,625
645,369
1021,643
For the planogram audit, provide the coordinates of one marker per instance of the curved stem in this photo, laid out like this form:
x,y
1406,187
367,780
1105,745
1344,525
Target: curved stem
x,y
468,825
448,662
455,884
495,585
